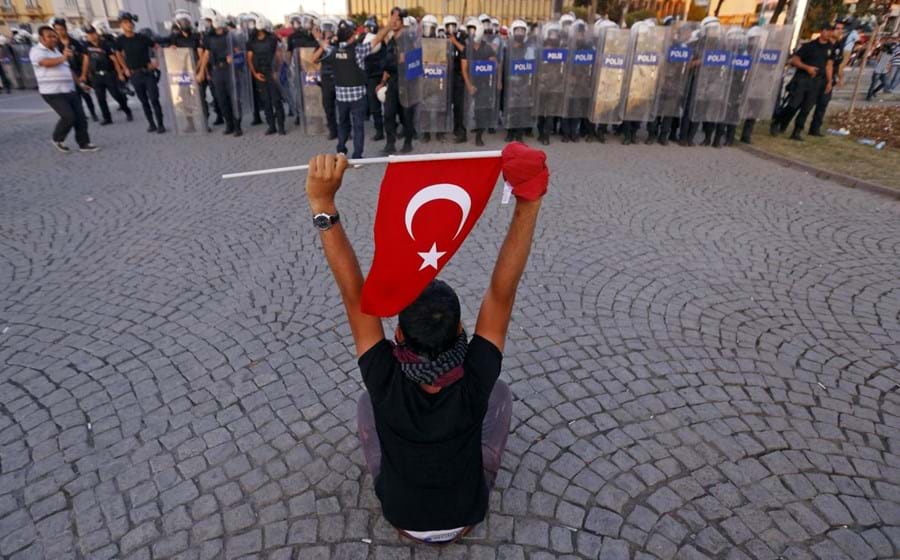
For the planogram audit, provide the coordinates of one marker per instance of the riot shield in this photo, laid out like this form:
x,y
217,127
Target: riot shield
x,y
181,93
26,70
9,67
579,80
284,78
713,76
434,114
241,81
764,88
551,73
672,86
410,71
610,69
309,90
742,55
647,60
520,86
481,106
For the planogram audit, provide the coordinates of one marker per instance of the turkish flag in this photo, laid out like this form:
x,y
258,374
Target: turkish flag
x,y
425,211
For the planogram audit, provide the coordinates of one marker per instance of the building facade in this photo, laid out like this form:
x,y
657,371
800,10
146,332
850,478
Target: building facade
x,y
29,13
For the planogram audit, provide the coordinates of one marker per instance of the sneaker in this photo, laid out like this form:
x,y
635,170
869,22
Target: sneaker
x,y
88,148
61,147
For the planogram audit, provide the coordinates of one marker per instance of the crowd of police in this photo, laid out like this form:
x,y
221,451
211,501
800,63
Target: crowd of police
x,y
446,80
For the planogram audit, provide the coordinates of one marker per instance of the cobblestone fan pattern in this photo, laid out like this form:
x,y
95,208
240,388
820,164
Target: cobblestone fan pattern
x,y
704,358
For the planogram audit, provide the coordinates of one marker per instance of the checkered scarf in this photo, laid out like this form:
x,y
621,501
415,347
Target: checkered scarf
x,y
442,371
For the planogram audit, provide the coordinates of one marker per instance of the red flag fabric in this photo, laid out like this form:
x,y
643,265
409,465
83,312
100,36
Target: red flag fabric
x,y
425,211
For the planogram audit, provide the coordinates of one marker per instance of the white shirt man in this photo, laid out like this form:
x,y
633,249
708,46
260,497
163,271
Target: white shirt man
x,y
57,86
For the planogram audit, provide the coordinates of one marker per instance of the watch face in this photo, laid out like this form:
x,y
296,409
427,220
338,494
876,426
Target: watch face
x,y
322,221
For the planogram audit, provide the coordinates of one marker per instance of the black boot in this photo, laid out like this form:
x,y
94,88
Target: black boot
x,y
407,146
544,139
730,131
719,136
281,130
478,140
426,137
461,138
797,136
389,149
747,132
510,136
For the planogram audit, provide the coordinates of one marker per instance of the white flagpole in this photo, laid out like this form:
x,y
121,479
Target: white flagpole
x,y
370,161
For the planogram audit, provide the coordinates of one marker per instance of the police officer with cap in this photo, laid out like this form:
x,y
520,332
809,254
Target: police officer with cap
x,y
264,58
133,51
460,82
326,71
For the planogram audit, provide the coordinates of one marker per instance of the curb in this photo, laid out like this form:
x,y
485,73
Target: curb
x,y
840,178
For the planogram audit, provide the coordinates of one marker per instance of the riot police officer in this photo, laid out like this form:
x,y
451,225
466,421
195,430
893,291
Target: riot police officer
x,y
100,71
301,38
218,57
329,97
374,70
183,36
264,58
460,79
77,63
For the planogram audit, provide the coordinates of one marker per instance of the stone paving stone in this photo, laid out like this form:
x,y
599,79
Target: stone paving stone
x,y
702,355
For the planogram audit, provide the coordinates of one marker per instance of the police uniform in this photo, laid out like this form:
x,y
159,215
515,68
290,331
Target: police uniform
x,y
836,55
222,82
803,88
102,77
329,99
374,72
76,63
350,82
268,91
459,88
194,41
136,53
392,107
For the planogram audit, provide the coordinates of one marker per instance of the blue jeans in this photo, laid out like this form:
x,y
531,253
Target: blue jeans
x,y
879,81
352,114
895,79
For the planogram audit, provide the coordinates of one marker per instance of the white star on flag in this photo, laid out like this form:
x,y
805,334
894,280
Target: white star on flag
x,y
431,257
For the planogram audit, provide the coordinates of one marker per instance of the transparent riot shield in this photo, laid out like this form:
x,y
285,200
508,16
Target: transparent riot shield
x,y
765,79
181,92
26,70
742,55
713,77
284,79
672,85
579,80
610,69
520,83
410,71
241,81
647,60
310,91
551,73
481,105
9,67
434,114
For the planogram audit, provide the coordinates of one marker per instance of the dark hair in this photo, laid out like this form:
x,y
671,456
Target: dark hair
x,y
430,324
61,22
401,11
44,29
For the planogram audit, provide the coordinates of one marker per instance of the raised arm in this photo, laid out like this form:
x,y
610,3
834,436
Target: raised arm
x,y
496,308
322,183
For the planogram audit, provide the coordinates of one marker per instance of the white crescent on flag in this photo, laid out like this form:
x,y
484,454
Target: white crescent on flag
x,y
442,191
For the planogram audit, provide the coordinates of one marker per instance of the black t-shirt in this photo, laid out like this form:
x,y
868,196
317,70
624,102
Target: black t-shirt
x,y
100,58
77,59
431,471
218,48
815,54
136,50
301,39
263,51
189,41
458,54
837,57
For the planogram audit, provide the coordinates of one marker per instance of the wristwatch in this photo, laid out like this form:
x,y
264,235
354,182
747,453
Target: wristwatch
x,y
325,222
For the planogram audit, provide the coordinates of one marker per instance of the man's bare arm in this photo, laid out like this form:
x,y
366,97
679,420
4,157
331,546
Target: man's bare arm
x,y
493,318
322,182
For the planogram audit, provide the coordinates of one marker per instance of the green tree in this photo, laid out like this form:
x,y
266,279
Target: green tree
x,y
632,17
359,18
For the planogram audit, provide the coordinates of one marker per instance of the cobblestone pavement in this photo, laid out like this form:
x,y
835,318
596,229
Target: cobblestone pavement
x,y
704,358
